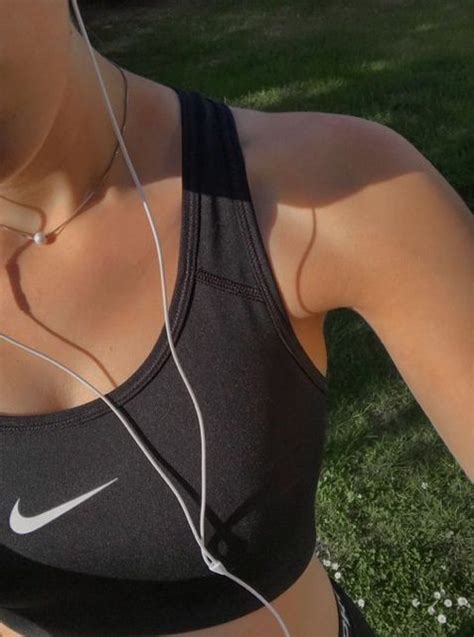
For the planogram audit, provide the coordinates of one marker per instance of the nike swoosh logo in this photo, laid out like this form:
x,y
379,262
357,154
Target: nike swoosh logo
x,y
22,524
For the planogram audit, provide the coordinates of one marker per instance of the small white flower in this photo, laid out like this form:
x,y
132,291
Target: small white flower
x,y
335,566
437,595
424,485
415,602
361,602
448,603
431,610
462,601
359,495
443,567
327,562
441,618
337,575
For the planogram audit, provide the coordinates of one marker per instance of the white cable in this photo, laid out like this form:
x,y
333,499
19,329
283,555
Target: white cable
x,y
213,564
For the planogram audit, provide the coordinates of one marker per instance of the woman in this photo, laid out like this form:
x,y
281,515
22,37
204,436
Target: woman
x,y
95,543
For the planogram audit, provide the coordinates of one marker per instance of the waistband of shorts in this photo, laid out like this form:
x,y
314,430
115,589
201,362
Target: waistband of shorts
x,y
345,626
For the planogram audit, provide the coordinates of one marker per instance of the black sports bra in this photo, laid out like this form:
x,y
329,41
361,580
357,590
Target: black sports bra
x,y
121,560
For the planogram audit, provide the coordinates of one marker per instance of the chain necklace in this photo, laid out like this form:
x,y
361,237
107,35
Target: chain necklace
x,y
41,238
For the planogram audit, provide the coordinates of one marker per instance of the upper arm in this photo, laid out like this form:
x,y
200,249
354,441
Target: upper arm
x,y
402,249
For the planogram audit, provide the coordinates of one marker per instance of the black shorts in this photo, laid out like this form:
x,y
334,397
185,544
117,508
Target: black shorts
x,y
352,622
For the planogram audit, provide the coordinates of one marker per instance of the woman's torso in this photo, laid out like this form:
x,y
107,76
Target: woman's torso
x,y
121,290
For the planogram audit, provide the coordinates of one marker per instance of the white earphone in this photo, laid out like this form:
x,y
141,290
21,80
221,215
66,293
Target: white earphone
x,y
213,564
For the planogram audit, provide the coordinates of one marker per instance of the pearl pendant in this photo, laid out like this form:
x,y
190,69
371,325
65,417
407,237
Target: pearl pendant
x,y
39,238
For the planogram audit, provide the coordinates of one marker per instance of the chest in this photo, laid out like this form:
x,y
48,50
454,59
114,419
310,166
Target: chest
x,y
95,307
101,314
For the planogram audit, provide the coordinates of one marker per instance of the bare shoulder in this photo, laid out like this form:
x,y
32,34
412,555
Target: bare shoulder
x,y
350,198
306,173
276,157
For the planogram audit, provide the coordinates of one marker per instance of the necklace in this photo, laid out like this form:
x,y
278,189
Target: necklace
x,y
41,238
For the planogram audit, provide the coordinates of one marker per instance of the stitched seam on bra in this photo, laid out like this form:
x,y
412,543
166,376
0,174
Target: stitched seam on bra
x,y
228,285
274,311
255,257
185,292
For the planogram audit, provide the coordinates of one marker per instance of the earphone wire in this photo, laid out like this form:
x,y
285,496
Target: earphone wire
x,y
212,563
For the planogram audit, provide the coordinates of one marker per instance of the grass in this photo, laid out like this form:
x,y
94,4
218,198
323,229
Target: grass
x,y
393,507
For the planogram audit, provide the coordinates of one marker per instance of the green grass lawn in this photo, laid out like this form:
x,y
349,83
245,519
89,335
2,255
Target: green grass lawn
x,y
393,507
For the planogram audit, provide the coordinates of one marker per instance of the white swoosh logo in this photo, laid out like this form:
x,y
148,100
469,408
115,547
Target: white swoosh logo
x,y
21,524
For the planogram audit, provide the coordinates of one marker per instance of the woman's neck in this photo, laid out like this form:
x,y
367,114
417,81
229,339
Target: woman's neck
x,y
73,151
